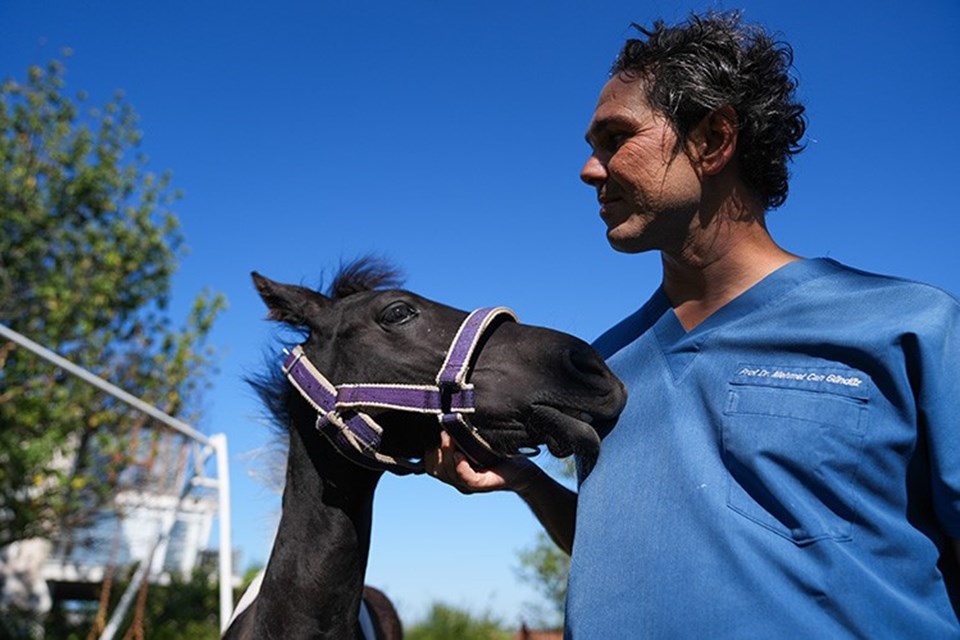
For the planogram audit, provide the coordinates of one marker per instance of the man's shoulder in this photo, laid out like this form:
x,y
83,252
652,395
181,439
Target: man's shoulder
x,y
893,301
889,289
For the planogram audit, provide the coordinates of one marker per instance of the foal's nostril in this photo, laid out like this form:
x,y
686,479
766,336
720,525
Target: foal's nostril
x,y
585,362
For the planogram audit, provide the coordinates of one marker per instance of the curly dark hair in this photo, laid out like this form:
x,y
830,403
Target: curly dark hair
x,y
708,62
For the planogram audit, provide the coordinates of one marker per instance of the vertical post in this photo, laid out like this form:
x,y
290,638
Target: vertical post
x,y
219,442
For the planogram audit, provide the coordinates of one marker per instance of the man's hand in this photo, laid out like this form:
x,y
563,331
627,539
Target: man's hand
x,y
554,505
450,465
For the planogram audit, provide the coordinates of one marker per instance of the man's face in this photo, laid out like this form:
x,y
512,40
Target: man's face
x,y
649,192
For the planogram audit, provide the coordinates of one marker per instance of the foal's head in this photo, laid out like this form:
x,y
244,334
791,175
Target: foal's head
x,y
532,385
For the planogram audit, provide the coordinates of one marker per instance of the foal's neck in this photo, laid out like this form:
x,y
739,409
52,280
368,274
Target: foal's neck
x,y
314,580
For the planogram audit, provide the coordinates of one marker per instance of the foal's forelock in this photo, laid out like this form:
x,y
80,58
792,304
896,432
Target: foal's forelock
x,y
365,274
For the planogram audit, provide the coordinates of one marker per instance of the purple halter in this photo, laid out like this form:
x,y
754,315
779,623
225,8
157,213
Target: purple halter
x,y
357,436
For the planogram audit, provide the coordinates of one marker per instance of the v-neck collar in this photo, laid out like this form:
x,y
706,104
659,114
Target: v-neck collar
x,y
680,347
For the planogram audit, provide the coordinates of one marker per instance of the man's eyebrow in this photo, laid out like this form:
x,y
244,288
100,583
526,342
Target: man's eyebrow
x,y
604,124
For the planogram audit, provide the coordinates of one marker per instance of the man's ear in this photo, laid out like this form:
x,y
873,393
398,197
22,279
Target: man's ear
x,y
715,140
289,303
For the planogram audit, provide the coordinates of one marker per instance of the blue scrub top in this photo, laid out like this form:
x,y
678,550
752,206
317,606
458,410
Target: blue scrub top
x,y
789,468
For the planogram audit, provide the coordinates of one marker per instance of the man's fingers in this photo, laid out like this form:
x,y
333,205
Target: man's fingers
x,y
450,465
446,442
431,460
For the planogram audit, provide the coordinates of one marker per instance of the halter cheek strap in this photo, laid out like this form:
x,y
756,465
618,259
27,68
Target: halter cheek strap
x,y
453,376
357,435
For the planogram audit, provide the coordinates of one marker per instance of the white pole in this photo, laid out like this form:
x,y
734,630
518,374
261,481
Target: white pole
x,y
219,442
102,384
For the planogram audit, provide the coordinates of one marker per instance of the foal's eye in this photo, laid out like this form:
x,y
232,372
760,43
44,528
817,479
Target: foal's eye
x,y
398,313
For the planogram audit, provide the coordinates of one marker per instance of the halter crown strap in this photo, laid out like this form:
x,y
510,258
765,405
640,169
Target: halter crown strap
x,y
357,436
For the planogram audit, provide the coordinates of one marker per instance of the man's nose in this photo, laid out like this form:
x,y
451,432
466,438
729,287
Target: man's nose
x,y
594,172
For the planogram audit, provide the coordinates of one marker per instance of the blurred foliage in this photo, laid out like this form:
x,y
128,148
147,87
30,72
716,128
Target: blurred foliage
x,y
186,608
88,246
444,622
546,567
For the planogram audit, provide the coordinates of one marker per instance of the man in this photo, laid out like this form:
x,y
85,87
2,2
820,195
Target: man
x,y
788,464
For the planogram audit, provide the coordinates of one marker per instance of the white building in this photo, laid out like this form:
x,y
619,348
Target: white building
x,y
125,534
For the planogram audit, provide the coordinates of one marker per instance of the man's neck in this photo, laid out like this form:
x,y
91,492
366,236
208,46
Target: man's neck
x,y
718,266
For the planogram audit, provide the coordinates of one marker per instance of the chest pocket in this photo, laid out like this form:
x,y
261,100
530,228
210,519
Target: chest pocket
x,y
792,445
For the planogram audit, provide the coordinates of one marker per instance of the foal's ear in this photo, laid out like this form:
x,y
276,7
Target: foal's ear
x,y
287,302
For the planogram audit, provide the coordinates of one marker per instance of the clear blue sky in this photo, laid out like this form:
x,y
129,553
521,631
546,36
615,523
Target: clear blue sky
x,y
448,137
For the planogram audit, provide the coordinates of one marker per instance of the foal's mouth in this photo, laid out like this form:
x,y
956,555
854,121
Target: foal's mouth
x,y
564,431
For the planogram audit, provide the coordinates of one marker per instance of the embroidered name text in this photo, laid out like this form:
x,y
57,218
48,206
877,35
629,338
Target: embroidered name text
x,y
801,376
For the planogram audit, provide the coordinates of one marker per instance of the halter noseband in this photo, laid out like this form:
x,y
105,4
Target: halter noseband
x,y
357,435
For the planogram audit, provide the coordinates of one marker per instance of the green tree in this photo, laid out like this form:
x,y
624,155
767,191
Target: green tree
x,y
444,622
88,245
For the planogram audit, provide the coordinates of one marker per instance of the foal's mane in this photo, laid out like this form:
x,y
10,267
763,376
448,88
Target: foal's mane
x,y
271,386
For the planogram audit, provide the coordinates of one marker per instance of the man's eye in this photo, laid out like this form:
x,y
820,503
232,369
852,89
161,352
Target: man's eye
x,y
398,313
616,140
